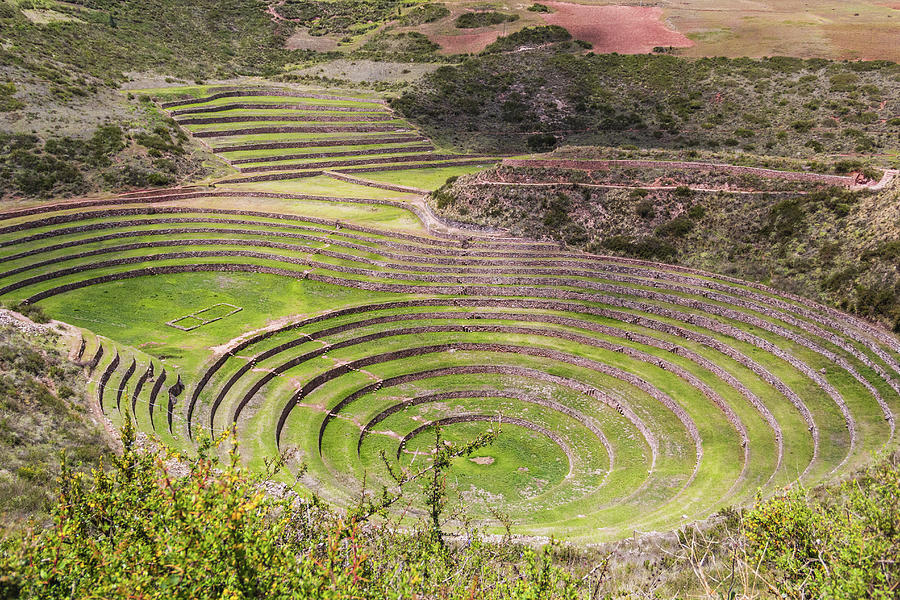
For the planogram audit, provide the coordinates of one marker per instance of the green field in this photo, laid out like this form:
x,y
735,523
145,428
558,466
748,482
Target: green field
x,y
629,396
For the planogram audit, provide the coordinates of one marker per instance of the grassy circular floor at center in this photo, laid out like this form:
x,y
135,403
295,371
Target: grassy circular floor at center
x,y
519,464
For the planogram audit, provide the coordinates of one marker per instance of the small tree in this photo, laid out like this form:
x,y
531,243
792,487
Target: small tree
x,y
435,475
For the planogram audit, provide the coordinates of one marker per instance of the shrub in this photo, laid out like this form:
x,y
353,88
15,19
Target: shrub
x,y
412,45
677,227
683,191
844,82
8,102
443,199
539,8
648,248
32,311
140,530
426,13
836,546
887,251
697,212
529,36
541,142
474,20
645,209
557,213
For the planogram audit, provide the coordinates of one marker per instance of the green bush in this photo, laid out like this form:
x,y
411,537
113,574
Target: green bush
x,y
677,227
8,102
341,17
645,209
529,36
803,126
411,46
844,82
32,311
139,530
541,142
474,20
558,212
7,11
647,248
539,8
697,212
426,13
841,545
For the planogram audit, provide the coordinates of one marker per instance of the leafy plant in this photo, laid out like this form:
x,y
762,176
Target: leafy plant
x,y
842,544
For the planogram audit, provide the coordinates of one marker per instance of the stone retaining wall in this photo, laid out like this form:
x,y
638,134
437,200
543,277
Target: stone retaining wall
x,y
361,152
585,421
558,440
104,379
299,129
645,322
386,167
151,404
239,93
264,105
124,384
349,162
359,141
523,372
348,118
140,385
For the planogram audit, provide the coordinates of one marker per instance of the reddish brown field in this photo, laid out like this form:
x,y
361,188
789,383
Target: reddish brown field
x,y
465,42
622,29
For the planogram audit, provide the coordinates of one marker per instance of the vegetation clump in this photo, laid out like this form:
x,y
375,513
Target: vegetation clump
x,y
652,101
425,13
8,101
529,37
158,525
343,17
409,46
109,158
840,543
41,415
474,20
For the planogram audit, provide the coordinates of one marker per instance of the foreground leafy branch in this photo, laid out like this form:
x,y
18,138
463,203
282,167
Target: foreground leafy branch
x,y
158,526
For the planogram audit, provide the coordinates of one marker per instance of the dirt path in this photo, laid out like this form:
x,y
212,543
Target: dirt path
x,y
886,180
637,187
851,181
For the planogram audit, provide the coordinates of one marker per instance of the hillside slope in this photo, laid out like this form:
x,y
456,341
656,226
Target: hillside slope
x,y
829,244
42,414
532,99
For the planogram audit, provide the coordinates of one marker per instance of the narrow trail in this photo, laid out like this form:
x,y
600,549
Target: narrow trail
x,y
639,187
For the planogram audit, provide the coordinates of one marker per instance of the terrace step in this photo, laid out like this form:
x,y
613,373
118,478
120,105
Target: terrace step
x,y
360,152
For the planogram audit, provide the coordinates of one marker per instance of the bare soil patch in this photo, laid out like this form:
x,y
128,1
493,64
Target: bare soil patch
x,y
466,42
483,460
302,40
46,16
866,43
359,71
622,29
